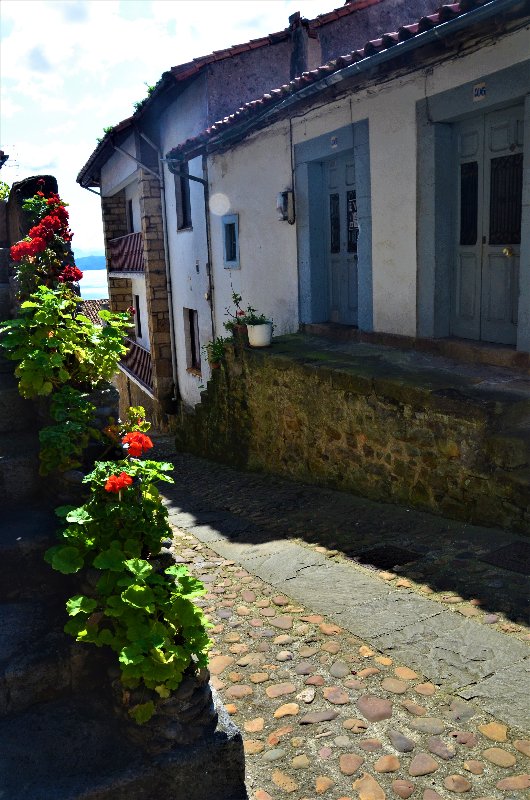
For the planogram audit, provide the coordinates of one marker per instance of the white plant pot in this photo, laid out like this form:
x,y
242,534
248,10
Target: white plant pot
x,y
260,335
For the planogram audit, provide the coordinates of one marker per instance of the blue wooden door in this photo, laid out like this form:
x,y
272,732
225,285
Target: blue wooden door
x,y
485,287
342,239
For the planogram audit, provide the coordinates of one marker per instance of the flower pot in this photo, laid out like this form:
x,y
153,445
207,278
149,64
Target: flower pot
x,y
260,335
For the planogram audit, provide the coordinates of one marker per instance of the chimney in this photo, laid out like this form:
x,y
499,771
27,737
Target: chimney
x,y
299,44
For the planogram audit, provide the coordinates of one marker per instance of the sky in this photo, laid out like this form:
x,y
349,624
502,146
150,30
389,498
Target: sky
x,y
69,68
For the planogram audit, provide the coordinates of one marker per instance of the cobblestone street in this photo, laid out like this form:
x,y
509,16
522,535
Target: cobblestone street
x,y
347,681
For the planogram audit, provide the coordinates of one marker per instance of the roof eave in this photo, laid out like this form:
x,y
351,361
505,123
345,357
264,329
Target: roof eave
x,y
272,111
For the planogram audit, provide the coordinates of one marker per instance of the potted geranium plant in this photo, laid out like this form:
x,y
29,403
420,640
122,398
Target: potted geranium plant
x,y
259,328
236,323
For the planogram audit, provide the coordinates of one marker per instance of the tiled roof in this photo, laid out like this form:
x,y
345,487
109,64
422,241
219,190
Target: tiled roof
x,y
274,97
90,309
338,13
84,177
184,71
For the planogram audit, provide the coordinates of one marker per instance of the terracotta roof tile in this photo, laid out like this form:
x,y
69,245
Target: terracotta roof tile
x,y
90,309
377,45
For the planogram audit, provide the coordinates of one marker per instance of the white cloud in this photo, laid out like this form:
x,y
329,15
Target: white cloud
x,y
71,67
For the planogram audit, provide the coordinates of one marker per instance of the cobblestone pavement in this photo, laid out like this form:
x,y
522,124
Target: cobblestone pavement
x,y
347,682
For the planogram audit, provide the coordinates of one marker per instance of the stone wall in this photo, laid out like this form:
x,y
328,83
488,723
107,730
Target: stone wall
x,y
156,285
114,212
360,431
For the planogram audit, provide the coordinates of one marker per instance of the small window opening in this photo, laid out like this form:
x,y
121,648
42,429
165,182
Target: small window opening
x,y
193,349
130,218
182,197
231,241
137,317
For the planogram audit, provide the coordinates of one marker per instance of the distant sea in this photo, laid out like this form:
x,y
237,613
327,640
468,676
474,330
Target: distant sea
x,y
94,284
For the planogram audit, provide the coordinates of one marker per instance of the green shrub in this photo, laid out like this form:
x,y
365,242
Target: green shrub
x,y
54,345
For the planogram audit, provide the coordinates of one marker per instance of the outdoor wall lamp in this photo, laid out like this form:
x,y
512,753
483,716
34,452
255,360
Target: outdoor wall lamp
x,y
285,206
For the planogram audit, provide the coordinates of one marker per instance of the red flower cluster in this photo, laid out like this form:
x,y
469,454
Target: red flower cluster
x,y
118,482
55,223
137,443
70,274
27,247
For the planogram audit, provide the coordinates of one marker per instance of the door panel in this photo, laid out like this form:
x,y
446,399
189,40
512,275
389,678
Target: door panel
x,y
466,288
467,277
342,239
490,171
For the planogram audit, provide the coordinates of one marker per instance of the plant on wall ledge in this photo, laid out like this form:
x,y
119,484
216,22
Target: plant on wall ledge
x,y
215,351
4,191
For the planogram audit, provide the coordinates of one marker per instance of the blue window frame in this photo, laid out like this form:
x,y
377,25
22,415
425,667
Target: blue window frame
x,y
231,241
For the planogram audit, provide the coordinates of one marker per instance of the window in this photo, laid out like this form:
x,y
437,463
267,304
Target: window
x,y
137,317
182,197
130,218
191,333
231,241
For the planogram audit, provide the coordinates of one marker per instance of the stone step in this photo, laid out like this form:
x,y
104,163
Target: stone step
x,y
5,301
16,413
75,749
38,661
26,531
6,366
4,265
19,466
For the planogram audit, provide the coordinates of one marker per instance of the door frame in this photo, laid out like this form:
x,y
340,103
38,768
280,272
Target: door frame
x,y
436,228
313,216
476,132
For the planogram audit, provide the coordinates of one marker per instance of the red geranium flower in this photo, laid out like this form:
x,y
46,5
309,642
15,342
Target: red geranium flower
x,y
118,482
37,245
137,443
20,250
70,274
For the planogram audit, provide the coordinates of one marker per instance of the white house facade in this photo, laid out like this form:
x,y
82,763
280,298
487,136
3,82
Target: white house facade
x,y
410,170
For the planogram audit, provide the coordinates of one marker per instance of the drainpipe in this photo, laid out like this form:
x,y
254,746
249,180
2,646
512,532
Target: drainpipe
x,y
173,164
160,176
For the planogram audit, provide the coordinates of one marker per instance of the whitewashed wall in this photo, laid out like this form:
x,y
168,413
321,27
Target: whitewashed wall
x,y
246,181
251,173
132,193
138,288
188,252
119,169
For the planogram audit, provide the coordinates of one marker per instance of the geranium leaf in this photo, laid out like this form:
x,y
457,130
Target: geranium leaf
x,y
67,560
80,604
143,712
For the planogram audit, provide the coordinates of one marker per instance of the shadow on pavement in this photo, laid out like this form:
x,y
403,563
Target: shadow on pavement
x,y
448,560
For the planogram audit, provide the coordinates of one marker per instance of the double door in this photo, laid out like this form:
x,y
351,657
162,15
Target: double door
x,y
485,286
341,244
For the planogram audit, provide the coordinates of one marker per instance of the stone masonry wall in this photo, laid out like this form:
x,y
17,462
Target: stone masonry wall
x,y
156,285
120,296
114,214
376,437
